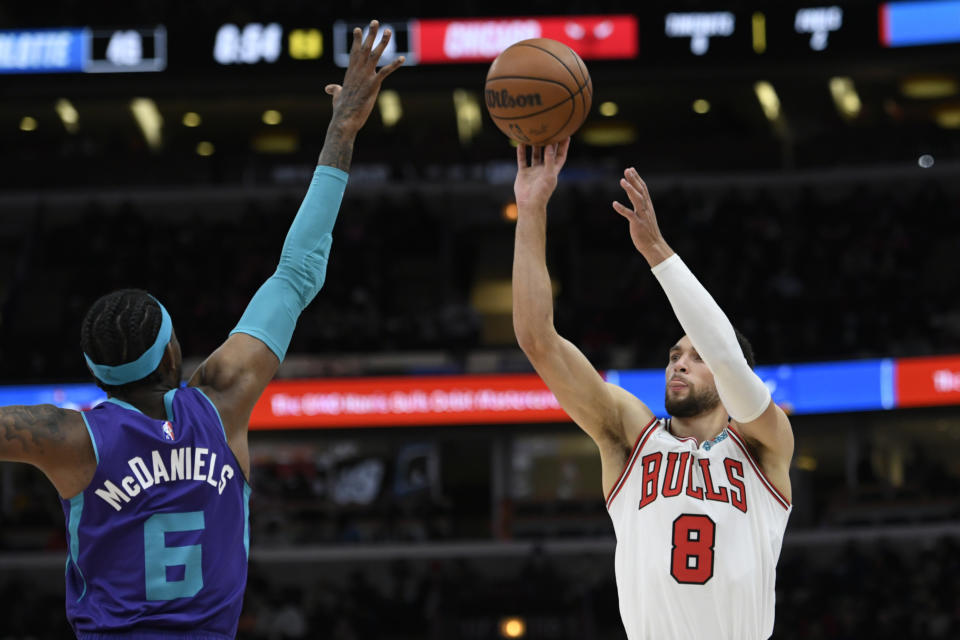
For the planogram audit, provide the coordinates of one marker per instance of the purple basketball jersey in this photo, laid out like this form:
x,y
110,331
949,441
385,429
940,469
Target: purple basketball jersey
x,y
158,543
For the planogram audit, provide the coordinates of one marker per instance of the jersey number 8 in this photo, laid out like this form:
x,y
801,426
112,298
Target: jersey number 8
x,y
692,558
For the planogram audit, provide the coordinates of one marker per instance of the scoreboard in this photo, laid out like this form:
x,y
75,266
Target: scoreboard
x,y
772,32
83,50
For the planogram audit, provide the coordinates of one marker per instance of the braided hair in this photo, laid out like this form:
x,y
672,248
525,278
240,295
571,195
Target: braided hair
x,y
119,328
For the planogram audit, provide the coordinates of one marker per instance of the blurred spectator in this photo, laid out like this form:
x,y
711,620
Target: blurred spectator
x,y
861,590
804,276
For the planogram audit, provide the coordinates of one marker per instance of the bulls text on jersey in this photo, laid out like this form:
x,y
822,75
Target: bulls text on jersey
x,y
679,477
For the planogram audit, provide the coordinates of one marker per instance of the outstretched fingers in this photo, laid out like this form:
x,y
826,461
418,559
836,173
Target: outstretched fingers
x,y
371,36
550,157
634,179
386,70
626,212
357,39
521,156
384,41
633,192
562,150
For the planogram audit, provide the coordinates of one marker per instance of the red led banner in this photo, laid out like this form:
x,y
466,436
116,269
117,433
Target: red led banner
x,y
613,37
923,382
405,401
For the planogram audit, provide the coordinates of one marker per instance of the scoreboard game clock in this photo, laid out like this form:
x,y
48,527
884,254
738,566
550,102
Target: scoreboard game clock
x,y
257,43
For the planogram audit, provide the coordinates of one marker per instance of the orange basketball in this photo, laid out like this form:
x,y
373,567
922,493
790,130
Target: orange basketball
x,y
538,91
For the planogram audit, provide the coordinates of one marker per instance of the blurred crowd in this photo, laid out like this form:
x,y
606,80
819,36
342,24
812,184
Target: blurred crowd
x,y
880,590
381,494
805,273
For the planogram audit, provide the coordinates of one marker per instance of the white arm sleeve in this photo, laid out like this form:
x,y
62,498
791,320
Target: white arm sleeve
x,y
741,390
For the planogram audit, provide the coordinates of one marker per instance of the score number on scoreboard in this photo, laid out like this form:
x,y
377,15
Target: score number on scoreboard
x,y
83,50
125,50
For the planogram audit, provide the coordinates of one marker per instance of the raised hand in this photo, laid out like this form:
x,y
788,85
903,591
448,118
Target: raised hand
x,y
535,183
354,99
644,230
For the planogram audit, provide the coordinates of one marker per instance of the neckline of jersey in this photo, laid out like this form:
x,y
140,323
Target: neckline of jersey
x,y
706,444
167,402
124,404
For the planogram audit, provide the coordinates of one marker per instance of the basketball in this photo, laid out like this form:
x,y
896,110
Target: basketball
x,y
538,91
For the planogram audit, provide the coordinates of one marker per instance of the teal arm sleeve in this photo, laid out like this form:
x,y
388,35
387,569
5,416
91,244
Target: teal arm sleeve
x,y
273,312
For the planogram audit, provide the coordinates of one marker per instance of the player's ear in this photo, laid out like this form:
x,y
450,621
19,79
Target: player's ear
x,y
171,355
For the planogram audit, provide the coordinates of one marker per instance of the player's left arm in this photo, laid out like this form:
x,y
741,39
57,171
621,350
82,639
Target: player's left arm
x,y
236,374
744,395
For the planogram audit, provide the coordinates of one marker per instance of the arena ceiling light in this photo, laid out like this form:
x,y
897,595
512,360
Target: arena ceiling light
x,y
701,106
929,87
769,100
272,117
68,115
469,116
948,117
192,119
513,627
608,109
276,142
390,108
609,134
149,120
28,123
845,97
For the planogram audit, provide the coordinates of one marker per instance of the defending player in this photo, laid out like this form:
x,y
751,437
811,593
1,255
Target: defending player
x,y
699,501
153,480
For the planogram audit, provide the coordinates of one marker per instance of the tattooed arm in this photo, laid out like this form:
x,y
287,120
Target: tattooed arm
x,y
51,439
236,374
354,99
337,149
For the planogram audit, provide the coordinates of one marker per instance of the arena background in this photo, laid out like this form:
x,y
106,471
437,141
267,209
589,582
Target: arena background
x,y
415,481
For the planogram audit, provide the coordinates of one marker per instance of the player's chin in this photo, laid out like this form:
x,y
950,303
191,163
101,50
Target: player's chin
x,y
680,392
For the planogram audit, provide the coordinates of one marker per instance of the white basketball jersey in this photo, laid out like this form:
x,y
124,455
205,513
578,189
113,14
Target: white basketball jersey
x,y
699,530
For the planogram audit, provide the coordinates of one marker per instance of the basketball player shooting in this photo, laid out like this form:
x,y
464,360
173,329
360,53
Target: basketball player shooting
x,y
699,500
154,480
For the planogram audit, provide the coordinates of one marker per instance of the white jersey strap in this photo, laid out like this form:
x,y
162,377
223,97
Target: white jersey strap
x,y
645,434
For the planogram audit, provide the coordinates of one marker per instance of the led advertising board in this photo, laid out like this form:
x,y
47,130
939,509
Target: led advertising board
x,y
910,24
807,388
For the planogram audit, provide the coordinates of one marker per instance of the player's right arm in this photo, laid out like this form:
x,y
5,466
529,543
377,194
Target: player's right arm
x,y
236,374
611,416
52,439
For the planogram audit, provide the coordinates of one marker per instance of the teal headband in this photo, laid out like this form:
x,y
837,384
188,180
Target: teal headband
x,y
143,366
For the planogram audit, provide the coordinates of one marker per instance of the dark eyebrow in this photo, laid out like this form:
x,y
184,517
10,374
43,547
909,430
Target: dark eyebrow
x,y
674,348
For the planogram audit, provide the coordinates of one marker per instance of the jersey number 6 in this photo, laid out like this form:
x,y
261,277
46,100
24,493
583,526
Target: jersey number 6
x,y
692,558
158,557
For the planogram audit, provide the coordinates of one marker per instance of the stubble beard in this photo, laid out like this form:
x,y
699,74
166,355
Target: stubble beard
x,y
696,403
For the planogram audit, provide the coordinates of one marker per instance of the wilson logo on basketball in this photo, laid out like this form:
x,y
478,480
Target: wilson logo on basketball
x,y
503,99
